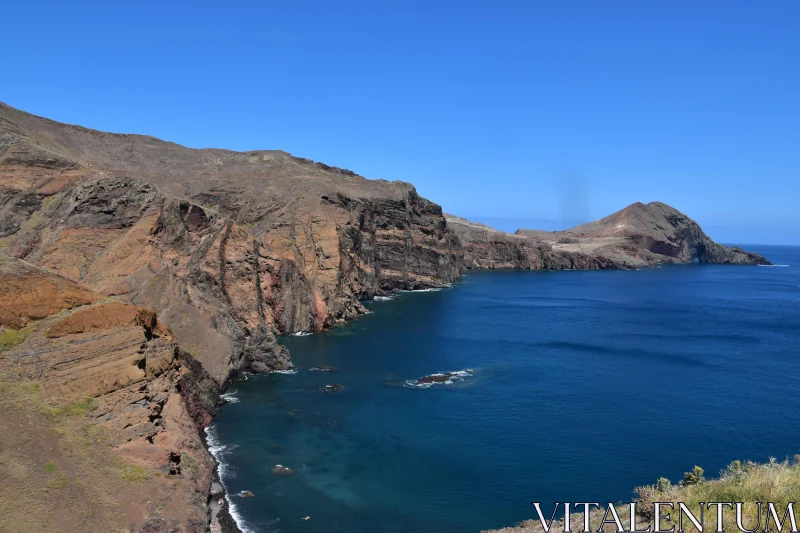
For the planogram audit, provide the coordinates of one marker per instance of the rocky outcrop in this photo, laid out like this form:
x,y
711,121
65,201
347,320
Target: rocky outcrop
x,y
638,236
28,293
488,248
646,235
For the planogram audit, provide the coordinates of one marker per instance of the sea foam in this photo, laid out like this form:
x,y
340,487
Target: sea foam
x,y
229,397
218,451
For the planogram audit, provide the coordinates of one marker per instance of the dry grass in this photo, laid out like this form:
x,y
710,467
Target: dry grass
x,y
57,471
776,482
10,338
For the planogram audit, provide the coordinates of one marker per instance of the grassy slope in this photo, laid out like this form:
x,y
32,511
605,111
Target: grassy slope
x,y
57,472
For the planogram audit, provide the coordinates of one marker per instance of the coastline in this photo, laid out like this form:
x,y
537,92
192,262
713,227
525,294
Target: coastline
x,y
222,518
244,529
225,518
95,209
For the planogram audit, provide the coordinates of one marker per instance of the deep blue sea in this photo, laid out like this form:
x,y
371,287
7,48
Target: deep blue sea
x,y
584,386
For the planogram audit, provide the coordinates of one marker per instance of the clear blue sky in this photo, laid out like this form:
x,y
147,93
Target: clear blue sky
x,y
540,112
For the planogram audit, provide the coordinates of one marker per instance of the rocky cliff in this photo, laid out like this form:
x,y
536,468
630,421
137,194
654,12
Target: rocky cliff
x,y
148,271
227,247
488,248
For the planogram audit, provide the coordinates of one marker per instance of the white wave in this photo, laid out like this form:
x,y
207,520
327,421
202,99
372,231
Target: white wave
x,y
773,266
218,451
301,334
287,372
431,289
229,397
383,298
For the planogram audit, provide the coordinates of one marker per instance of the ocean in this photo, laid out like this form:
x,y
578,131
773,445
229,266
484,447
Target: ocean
x,y
576,386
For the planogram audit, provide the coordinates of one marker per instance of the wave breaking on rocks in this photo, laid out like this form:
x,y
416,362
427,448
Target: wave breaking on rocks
x,y
440,378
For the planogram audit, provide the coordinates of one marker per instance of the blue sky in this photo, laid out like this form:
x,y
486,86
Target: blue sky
x,y
515,113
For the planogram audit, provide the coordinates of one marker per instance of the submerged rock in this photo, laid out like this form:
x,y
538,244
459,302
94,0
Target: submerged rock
x,y
445,378
336,387
434,378
280,470
323,369
246,494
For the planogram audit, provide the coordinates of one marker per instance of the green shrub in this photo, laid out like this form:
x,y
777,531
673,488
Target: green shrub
x,y
694,477
663,485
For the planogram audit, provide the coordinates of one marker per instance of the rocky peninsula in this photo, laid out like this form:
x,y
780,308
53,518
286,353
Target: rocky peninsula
x,y
138,278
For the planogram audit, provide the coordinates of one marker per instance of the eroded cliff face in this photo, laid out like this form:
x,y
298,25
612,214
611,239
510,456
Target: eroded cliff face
x,y
219,287
161,272
316,239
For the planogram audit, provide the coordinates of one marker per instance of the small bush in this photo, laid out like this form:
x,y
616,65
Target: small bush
x,y
647,496
734,473
694,477
50,467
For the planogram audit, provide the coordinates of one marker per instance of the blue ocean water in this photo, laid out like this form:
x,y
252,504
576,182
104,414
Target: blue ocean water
x,y
584,386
